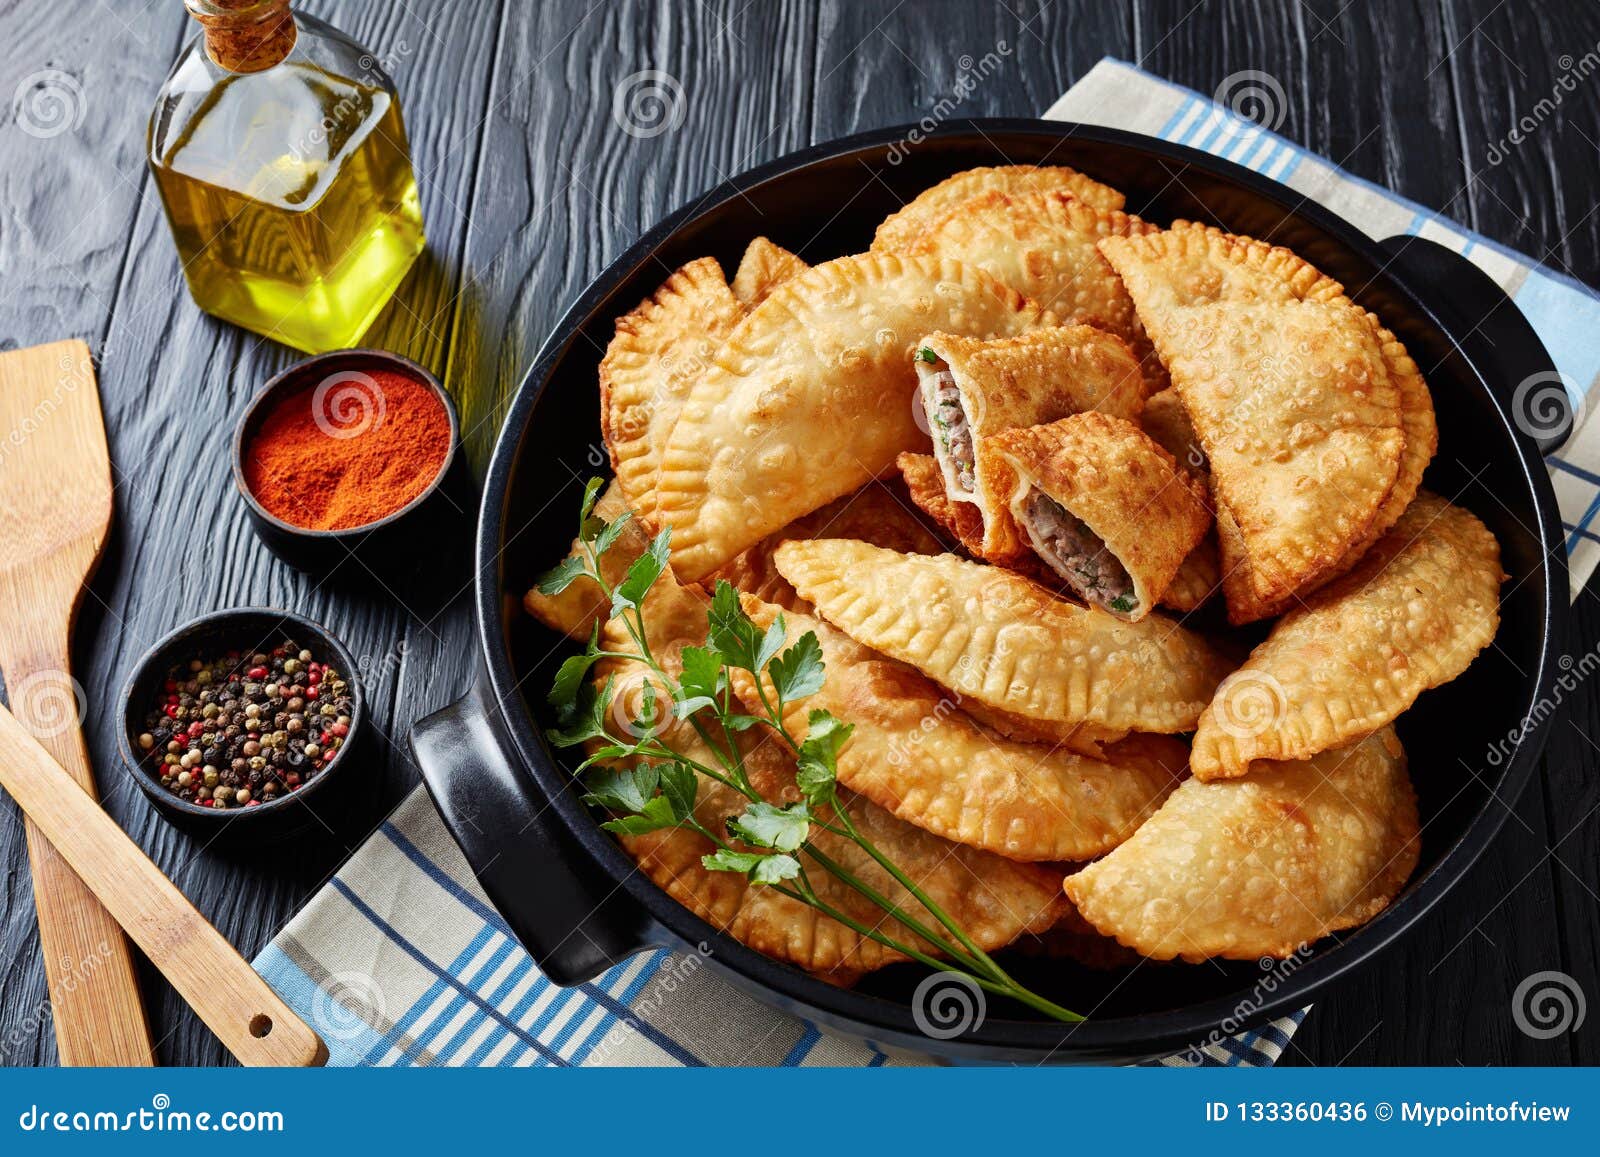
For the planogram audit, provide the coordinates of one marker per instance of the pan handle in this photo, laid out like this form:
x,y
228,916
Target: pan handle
x,y
1482,321
573,920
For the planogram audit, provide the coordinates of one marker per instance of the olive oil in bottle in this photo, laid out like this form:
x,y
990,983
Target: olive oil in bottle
x,y
281,158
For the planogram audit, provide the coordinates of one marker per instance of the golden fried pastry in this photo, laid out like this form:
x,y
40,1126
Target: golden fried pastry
x,y
960,521
659,351
916,753
1260,866
1043,246
1300,420
993,899
877,513
810,397
1105,507
1165,420
1007,643
903,227
1189,265
1192,265
1413,614
972,390
763,268
576,609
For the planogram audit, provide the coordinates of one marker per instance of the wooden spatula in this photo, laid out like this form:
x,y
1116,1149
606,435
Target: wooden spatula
x,y
55,508
219,984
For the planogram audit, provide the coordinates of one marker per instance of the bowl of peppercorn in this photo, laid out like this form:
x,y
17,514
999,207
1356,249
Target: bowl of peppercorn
x,y
354,452
241,724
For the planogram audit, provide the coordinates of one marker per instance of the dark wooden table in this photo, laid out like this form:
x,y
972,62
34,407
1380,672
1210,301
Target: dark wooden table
x,y
529,189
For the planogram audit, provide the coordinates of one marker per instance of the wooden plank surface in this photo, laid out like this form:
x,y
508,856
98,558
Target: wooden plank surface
x,y
530,187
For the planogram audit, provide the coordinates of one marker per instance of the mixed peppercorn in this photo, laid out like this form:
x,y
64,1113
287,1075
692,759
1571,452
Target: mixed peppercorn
x,y
239,730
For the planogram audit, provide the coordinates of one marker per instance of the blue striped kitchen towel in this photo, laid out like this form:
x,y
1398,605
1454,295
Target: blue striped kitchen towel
x,y
401,960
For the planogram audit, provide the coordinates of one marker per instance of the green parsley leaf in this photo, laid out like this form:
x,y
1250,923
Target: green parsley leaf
x,y
630,592
725,860
762,869
586,718
927,355
622,789
817,767
700,681
609,533
771,642
561,576
775,869
657,815
679,786
731,632
570,676
591,491
1122,603
798,672
737,721
766,826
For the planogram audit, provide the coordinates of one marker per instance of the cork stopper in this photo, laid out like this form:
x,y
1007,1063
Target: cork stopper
x,y
245,35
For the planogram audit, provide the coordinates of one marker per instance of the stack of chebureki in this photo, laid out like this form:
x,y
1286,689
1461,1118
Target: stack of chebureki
x,y
977,461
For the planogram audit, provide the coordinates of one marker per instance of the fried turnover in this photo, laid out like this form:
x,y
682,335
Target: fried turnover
x,y
902,228
1412,614
1193,265
1043,246
876,513
809,397
917,754
993,899
763,268
1105,507
972,390
1300,421
1197,578
658,352
960,521
1006,643
575,610
1260,866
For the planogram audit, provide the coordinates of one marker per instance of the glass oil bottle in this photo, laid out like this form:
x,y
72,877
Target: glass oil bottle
x,y
281,158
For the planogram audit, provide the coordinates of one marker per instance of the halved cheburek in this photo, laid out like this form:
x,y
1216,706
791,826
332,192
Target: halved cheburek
x,y
1195,581
993,899
1105,507
960,521
972,390
931,205
876,513
762,269
1008,645
1259,867
576,608
1413,614
810,397
916,753
1043,246
661,348
1190,266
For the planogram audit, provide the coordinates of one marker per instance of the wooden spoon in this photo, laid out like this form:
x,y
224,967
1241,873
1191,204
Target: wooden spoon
x,y
55,508
218,983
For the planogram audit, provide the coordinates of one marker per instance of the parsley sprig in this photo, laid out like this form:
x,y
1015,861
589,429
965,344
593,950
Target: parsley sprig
x,y
647,785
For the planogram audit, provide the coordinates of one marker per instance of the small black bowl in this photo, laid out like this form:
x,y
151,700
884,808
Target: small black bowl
x,y
446,503
320,803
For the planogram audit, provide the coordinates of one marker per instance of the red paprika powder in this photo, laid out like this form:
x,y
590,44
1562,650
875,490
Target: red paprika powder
x,y
349,450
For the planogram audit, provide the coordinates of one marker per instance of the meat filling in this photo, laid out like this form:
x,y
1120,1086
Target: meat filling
x,y
949,418
1076,553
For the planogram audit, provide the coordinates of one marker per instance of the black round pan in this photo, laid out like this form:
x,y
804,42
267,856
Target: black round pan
x,y
575,899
